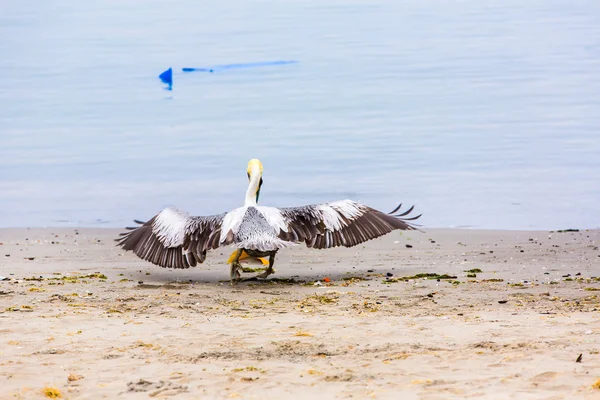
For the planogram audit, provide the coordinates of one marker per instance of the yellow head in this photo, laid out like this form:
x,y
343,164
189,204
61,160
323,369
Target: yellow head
x,y
254,171
254,167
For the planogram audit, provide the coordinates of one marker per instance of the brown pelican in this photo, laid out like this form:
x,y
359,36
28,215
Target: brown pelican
x,y
175,239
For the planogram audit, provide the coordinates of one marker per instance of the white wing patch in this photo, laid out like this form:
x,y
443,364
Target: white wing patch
x,y
332,212
169,226
232,222
274,218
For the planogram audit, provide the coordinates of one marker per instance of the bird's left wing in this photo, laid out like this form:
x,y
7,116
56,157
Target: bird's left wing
x,y
340,223
174,239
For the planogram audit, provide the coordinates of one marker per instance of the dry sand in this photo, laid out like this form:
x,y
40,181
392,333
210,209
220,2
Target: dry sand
x,y
80,316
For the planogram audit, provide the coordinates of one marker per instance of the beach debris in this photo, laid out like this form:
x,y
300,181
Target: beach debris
x,y
502,301
355,278
74,377
426,276
52,393
24,308
68,278
596,384
143,385
409,246
326,279
314,372
50,351
250,368
302,333
4,278
160,387
350,280
579,358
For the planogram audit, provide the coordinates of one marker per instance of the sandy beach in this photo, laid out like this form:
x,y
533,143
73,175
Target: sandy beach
x,y
444,314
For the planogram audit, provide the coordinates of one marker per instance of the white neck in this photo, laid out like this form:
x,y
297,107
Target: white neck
x,y
252,189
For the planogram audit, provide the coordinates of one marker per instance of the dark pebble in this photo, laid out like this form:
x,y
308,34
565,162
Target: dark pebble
x,y
502,301
370,270
409,246
140,282
522,251
389,274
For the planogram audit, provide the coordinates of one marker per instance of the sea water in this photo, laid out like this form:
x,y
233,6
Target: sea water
x,y
482,114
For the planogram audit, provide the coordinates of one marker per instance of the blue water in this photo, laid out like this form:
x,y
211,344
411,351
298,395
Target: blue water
x,y
483,114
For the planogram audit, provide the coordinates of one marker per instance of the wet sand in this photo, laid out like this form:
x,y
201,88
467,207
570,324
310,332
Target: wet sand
x,y
81,317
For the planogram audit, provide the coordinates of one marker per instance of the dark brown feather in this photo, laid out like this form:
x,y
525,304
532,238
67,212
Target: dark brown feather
x,y
200,233
306,225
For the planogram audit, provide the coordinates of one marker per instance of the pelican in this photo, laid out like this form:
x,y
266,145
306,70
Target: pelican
x,y
175,239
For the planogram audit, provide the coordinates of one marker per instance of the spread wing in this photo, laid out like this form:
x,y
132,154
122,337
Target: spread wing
x,y
174,239
340,223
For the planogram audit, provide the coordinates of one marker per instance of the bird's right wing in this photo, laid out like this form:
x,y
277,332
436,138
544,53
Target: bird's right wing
x,y
174,239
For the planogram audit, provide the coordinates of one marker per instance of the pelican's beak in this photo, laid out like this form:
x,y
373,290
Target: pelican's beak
x,y
244,255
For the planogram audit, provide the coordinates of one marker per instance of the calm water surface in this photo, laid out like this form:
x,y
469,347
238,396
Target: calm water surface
x,y
484,114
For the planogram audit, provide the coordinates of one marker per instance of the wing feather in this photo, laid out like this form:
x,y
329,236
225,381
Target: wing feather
x,y
173,239
341,223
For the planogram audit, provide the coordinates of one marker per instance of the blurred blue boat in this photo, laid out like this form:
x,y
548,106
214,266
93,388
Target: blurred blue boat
x,y
236,66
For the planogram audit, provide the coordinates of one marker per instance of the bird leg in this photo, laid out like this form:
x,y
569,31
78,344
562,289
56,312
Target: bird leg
x,y
270,270
234,271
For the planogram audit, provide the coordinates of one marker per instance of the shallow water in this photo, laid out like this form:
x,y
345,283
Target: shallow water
x,y
482,115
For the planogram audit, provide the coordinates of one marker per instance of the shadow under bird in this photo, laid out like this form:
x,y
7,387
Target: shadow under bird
x,y
175,239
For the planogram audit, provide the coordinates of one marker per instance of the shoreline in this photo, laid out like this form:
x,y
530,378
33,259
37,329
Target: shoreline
x,y
506,315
